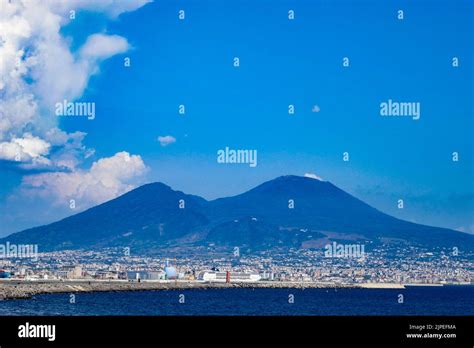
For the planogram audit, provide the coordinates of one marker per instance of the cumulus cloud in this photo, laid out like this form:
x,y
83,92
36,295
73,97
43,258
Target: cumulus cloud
x,y
25,149
166,140
38,69
106,179
313,176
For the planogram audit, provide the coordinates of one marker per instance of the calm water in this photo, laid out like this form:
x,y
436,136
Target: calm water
x,y
450,300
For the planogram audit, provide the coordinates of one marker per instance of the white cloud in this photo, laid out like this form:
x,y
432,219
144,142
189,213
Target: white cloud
x,y
33,146
100,46
106,179
32,152
24,149
39,69
166,140
313,176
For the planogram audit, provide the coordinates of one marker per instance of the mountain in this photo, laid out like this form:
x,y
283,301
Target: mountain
x,y
149,213
153,216
321,206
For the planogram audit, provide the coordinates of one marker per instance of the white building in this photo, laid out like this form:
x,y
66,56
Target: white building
x,y
146,275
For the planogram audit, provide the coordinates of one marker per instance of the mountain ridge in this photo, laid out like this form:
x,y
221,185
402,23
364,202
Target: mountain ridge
x,y
289,211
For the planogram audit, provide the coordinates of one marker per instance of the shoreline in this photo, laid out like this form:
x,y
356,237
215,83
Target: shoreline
x,y
12,289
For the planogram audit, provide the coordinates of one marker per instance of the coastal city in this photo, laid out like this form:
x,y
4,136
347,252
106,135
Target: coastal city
x,y
380,265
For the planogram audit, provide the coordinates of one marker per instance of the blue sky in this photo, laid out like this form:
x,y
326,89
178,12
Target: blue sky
x,y
282,62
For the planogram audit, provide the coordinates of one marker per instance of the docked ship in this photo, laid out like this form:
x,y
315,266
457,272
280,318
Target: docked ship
x,y
229,277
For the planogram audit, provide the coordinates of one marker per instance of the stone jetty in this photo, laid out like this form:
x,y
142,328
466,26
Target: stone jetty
x,y
13,289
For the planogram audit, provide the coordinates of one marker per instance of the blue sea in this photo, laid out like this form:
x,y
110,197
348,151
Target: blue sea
x,y
447,300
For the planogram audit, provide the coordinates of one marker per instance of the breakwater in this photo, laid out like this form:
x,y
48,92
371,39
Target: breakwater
x,y
12,289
